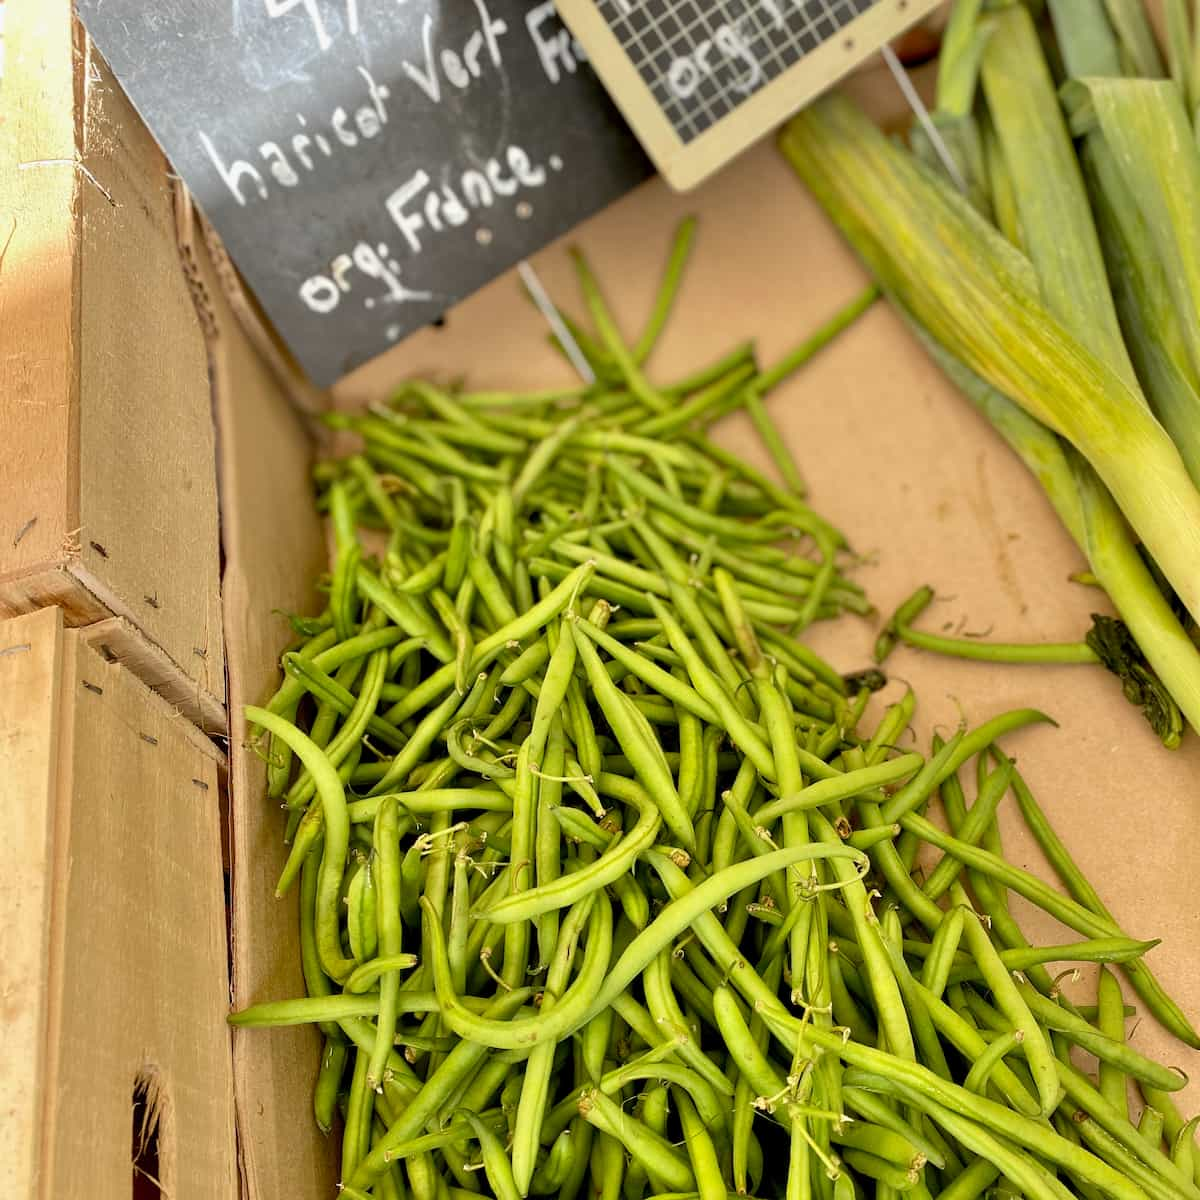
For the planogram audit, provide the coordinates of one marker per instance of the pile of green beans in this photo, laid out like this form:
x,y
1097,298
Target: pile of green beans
x,y
604,888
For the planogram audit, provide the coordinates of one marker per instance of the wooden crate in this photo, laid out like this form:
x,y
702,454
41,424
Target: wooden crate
x,y
113,963
108,503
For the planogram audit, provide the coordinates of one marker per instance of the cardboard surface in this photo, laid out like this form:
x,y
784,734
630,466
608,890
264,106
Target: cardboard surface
x,y
113,965
108,492
274,551
893,455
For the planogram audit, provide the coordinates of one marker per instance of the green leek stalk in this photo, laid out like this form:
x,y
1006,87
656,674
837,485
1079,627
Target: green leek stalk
x,y
961,52
1090,516
1056,219
1065,250
979,297
1085,37
1146,127
1158,319
1138,47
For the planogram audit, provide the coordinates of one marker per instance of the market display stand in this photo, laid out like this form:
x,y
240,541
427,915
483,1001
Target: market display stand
x,y
114,968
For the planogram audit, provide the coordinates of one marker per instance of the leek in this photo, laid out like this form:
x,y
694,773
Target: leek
x,y
979,298
1149,314
1138,48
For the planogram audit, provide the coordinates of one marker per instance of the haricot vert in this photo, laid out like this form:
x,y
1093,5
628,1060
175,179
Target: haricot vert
x,y
606,882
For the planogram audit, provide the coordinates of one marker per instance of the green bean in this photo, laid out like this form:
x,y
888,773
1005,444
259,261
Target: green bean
x,y
661,681
327,690
496,1162
802,353
971,829
640,746
552,1173
1147,986
458,1065
365,976
701,1151
387,829
1150,1125
1183,1148
842,787
1022,882
877,1110
356,1131
663,1163
536,1089
1082,1095
919,1017
527,1032
1112,1050
1011,1001
846,1010
329,1082
609,867
743,734
668,288
743,1047
405,611
705,404
337,834
972,1183
1111,1022
527,664
977,1077
920,1086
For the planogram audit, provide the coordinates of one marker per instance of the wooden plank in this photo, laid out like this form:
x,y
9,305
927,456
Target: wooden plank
x,y
30,654
149,543
138,987
119,640
39,285
271,564
108,493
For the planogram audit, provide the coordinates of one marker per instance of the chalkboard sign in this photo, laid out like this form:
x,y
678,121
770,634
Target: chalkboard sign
x,y
369,162
699,80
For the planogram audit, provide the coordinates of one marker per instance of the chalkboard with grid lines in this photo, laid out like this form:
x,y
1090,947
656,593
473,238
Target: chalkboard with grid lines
x,y
696,74
701,80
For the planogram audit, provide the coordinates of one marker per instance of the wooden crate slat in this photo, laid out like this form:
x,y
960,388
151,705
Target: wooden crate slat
x,y
30,656
120,938
108,492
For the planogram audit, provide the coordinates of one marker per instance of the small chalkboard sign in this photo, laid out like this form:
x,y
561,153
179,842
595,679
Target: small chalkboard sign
x,y
700,80
369,162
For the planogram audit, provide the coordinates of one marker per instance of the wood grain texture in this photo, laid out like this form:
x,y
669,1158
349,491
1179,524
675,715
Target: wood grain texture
x,y
274,551
108,489
137,975
113,962
39,285
118,640
30,658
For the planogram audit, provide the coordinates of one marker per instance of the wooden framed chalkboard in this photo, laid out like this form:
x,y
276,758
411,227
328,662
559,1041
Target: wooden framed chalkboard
x,y
369,162
700,80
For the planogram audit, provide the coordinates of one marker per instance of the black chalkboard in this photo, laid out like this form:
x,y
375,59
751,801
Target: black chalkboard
x,y
369,162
